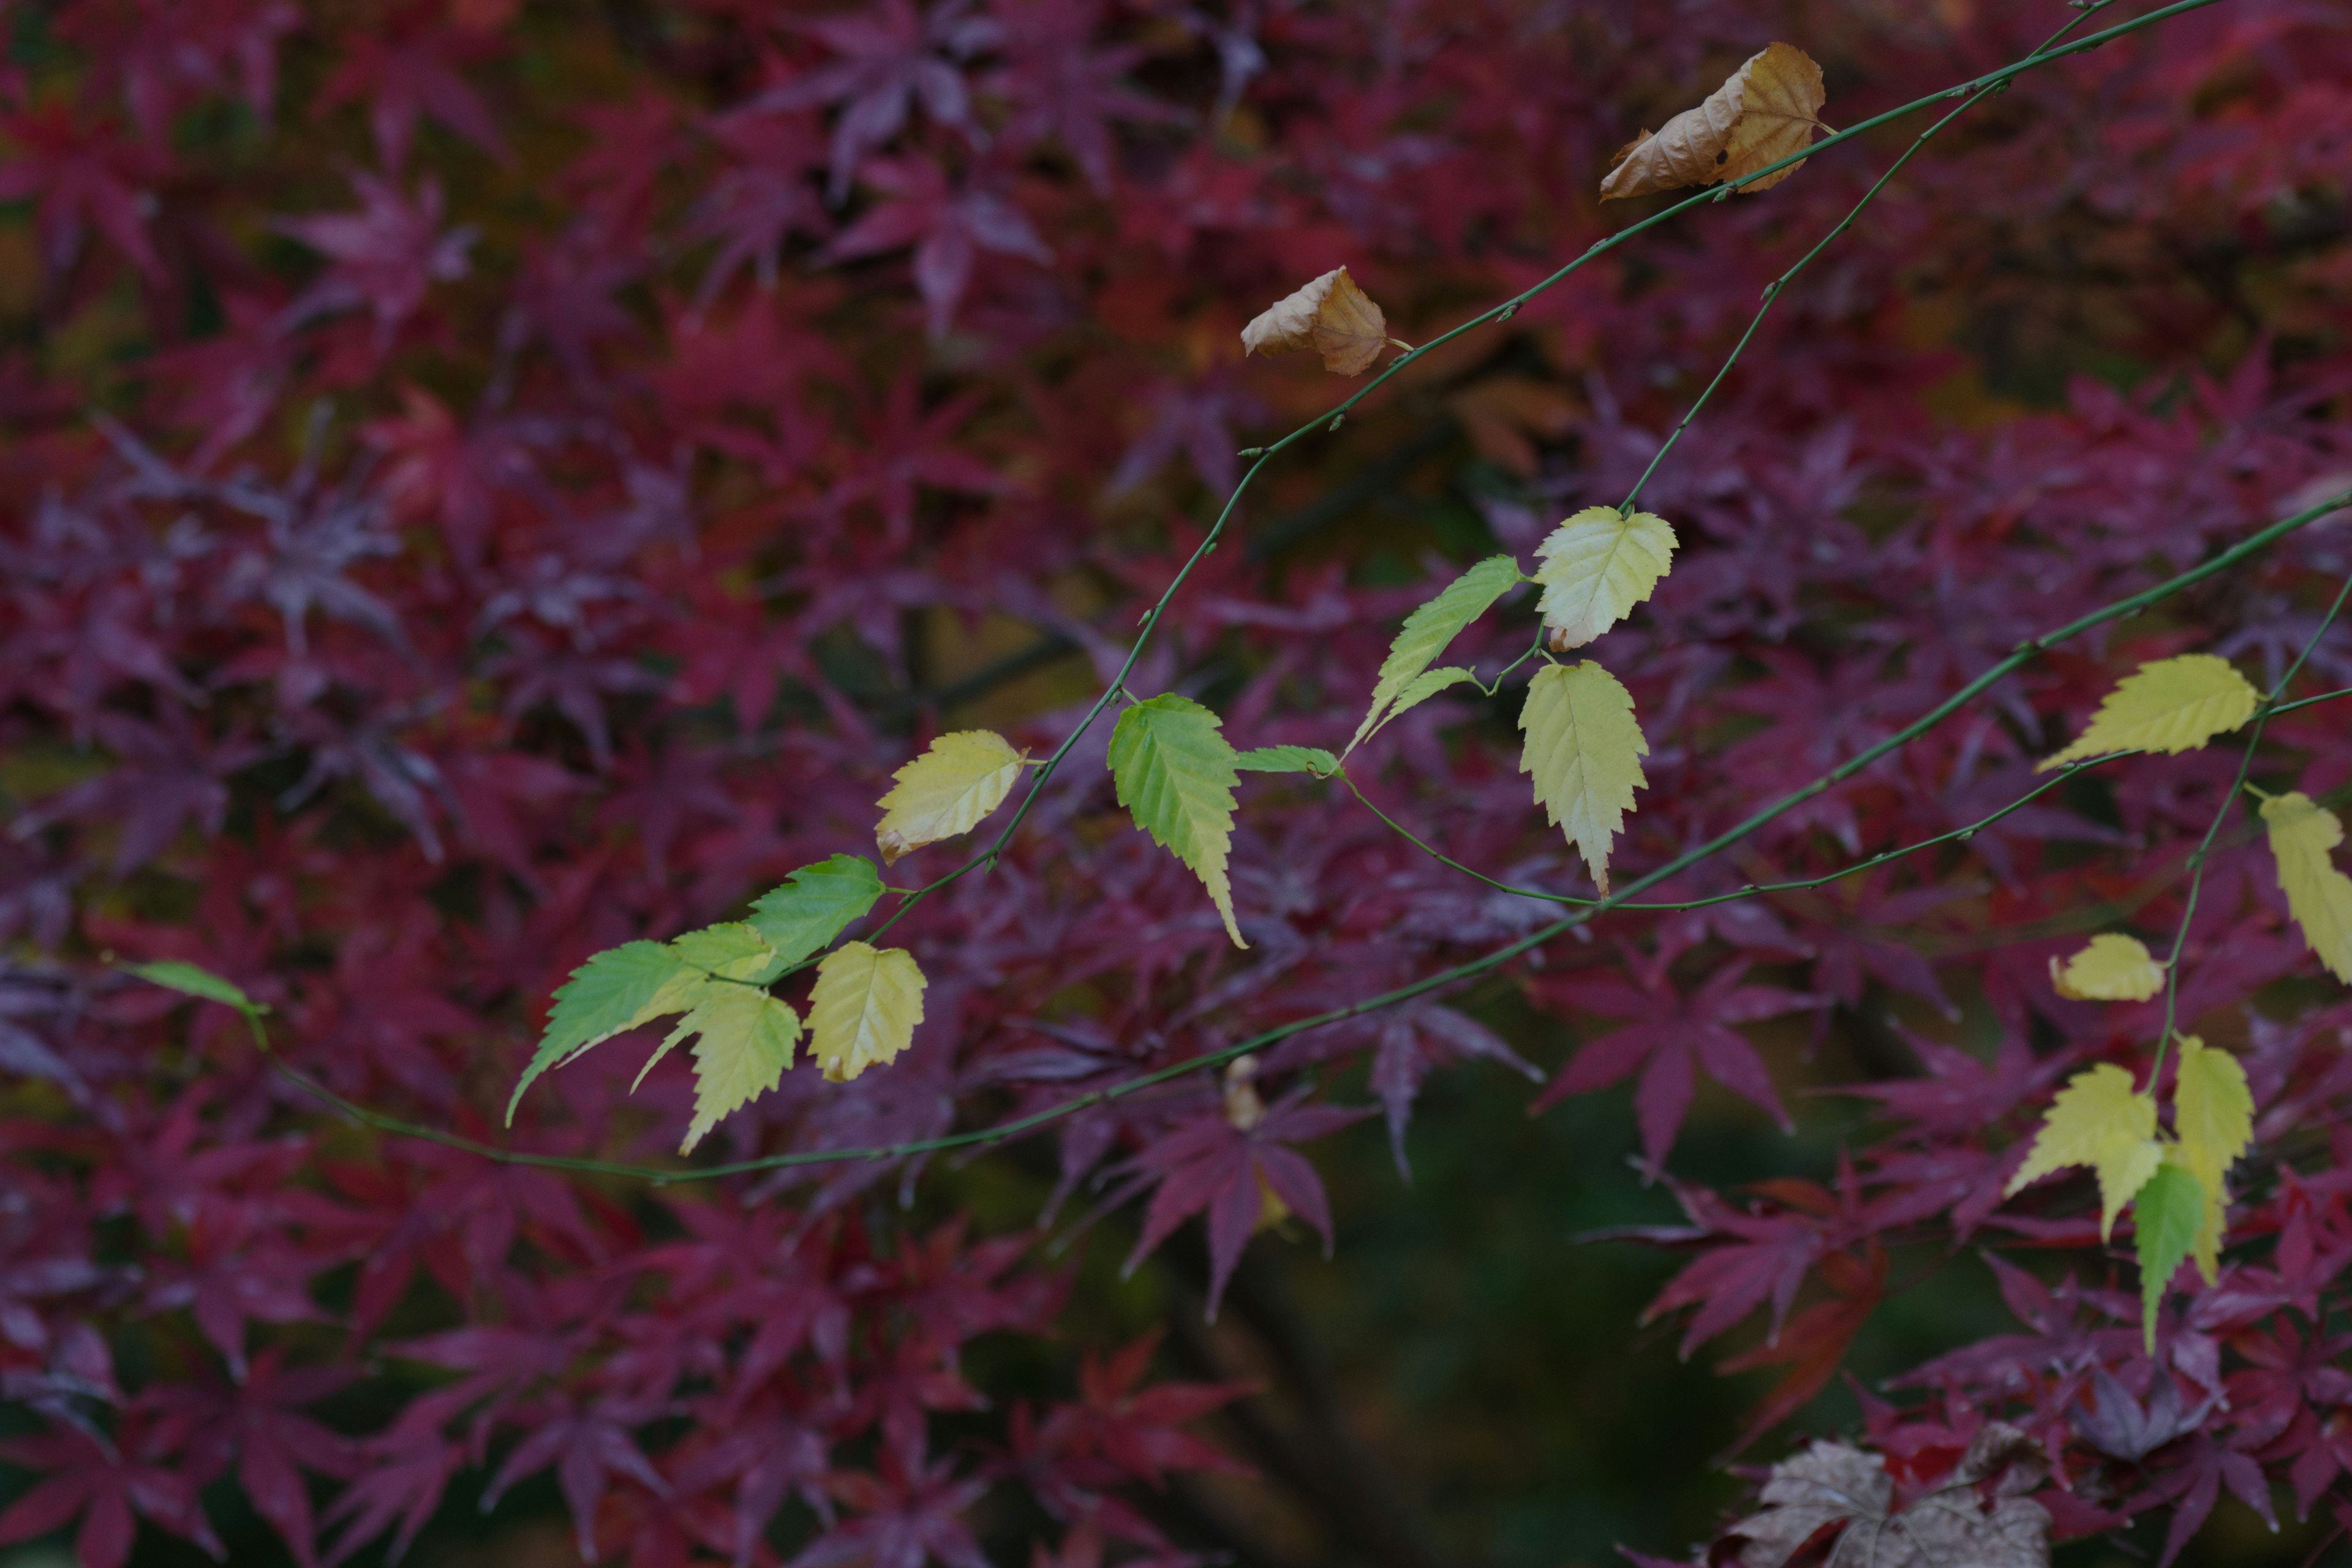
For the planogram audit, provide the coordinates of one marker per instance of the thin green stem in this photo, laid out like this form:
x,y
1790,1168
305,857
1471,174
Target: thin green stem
x,y
1752,889
2220,815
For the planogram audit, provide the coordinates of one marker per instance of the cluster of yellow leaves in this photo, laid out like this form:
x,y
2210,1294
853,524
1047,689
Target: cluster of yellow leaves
x,y
1766,111
2100,1122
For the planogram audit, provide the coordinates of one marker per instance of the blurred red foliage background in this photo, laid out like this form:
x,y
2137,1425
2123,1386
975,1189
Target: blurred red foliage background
x,y
489,480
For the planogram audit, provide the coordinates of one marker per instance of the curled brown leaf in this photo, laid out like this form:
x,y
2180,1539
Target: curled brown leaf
x,y
1330,315
1764,111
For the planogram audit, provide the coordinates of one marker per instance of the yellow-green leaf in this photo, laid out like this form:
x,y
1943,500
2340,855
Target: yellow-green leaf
x,y
745,1045
2213,1117
1287,760
946,791
2113,968
2097,1120
2171,705
1596,567
1426,632
732,951
1584,750
864,1009
1173,769
2302,833
188,979
2166,1215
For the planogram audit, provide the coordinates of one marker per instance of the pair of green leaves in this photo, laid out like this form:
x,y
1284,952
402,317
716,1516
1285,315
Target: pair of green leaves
x,y
862,1012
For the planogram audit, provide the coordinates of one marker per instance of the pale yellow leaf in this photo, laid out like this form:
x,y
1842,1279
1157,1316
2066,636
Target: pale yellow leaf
x,y
1330,315
2213,1117
1584,750
2099,1121
2114,968
2171,705
1596,567
1764,111
745,1045
864,1009
2302,832
946,791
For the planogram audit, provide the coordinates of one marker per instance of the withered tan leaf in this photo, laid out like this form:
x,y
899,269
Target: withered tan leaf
x,y
1835,1488
1764,111
1329,315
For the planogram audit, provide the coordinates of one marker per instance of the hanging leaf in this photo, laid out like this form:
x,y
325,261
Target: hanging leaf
x,y
174,975
1584,749
1174,772
1287,760
617,989
2172,705
961,778
2213,1117
2166,1213
1425,634
1764,111
1329,315
2097,1120
2113,968
745,1045
2302,834
864,1009
733,951
815,904
1596,567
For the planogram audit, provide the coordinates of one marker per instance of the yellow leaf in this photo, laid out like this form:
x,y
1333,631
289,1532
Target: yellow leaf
x,y
1584,749
946,791
2213,1117
1331,316
745,1045
2302,832
1764,111
2114,968
864,1009
2097,1120
2171,705
1596,567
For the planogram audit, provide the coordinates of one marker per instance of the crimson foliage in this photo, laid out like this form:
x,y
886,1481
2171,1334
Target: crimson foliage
x,y
487,482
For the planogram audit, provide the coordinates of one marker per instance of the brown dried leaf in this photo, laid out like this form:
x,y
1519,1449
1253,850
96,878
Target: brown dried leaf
x,y
1764,111
1835,1493
1331,316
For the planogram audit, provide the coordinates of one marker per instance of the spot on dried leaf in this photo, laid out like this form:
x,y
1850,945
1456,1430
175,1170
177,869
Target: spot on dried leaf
x,y
1764,111
1329,315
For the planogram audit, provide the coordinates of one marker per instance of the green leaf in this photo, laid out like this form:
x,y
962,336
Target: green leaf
x,y
1422,688
730,951
815,903
745,1045
175,975
1430,628
1174,773
1287,760
2166,1212
617,989
865,1007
